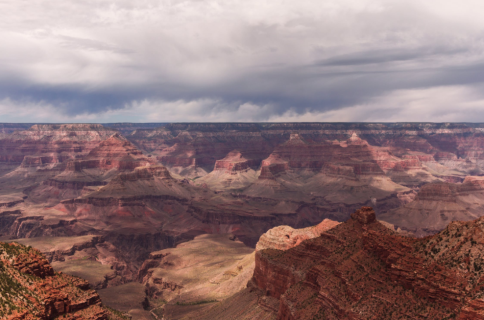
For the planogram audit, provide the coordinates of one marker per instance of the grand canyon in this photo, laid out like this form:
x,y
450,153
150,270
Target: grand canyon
x,y
242,221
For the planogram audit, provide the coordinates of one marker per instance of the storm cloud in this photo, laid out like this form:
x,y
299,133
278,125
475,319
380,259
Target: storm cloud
x,y
231,60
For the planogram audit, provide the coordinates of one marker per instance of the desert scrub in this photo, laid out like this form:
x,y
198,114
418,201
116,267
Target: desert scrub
x,y
116,314
195,303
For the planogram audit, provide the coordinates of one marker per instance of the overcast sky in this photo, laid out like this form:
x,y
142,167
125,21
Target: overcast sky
x,y
241,60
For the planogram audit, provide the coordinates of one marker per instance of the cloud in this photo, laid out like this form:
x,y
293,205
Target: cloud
x,y
437,104
214,60
391,55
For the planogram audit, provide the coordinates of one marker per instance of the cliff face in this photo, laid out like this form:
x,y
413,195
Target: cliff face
x,y
32,290
34,155
286,173
234,162
64,140
362,270
201,145
111,157
324,165
298,153
436,204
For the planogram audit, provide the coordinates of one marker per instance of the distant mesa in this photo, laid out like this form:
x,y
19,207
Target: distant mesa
x,y
235,162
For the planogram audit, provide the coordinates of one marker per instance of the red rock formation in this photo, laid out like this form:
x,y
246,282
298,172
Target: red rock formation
x,y
84,179
354,153
97,168
436,204
31,290
199,145
438,192
471,184
56,141
338,170
235,162
32,156
362,270
39,161
178,147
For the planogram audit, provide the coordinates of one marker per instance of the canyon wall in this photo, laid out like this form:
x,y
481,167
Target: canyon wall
x,y
361,269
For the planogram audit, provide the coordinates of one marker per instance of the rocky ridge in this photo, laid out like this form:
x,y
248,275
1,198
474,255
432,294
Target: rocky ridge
x,y
32,290
362,270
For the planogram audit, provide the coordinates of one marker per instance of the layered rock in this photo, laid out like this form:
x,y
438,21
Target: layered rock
x,y
32,156
437,204
285,237
354,153
234,162
362,270
61,141
113,153
192,153
32,290
187,145
83,179
112,156
232,172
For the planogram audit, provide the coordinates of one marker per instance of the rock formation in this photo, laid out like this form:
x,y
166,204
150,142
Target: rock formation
x,y
285,237
32,290
144,188
362,270
437,204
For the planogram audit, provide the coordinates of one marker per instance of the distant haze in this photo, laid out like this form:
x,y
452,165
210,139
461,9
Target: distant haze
x,y
241,60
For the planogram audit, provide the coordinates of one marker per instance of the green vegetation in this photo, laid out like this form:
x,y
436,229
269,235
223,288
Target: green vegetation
x,y
13,250
10,289
116,314
195,303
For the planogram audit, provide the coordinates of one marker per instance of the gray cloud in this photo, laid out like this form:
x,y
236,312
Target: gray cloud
x,y
391,55
88,60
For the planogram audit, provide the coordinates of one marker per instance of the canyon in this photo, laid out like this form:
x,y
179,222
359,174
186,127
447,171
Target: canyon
x,y
108,203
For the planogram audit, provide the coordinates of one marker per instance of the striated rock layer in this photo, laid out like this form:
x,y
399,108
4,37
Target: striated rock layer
x,y
60,141
31,156
159,187
285,237
436,204
362,270
30,289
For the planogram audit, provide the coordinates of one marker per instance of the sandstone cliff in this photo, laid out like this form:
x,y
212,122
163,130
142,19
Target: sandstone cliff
x,y
285,237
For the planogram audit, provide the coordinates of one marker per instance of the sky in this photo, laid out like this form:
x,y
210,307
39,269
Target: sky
x,y
241,60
